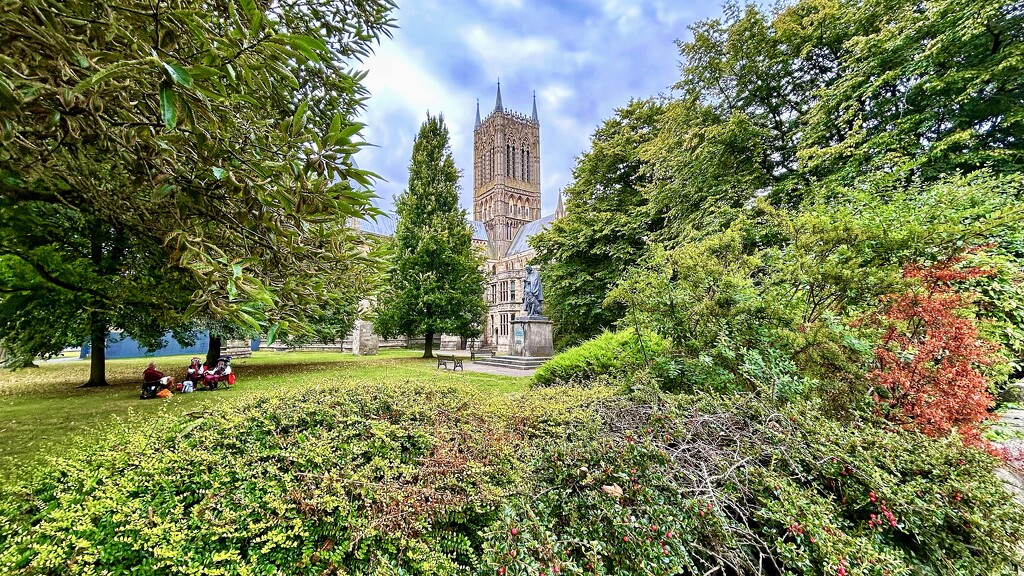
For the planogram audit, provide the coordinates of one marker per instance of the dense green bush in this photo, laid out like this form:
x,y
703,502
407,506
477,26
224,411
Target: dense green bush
x,y
610,356
672,485
424,479
352,479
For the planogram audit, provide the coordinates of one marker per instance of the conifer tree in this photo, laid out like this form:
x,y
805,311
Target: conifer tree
x,y
435,283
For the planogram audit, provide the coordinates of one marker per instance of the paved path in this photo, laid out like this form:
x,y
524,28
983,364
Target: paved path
x,y
1012,423
474,367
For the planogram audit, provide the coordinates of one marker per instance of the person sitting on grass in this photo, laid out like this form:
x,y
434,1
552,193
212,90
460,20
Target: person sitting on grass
x,y
151,376
220,373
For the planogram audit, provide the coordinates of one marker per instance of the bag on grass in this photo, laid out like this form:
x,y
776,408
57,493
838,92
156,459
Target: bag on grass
x,y
165,393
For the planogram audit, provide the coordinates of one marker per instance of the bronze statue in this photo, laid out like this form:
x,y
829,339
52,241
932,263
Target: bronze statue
x,y
533,297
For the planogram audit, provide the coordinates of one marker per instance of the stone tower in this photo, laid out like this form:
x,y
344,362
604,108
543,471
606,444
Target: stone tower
x,y
506,172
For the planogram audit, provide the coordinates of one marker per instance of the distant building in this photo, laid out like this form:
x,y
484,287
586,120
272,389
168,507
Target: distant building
x,y
506,213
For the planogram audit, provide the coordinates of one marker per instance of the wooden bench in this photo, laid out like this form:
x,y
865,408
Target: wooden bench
x,y
442,362
474,352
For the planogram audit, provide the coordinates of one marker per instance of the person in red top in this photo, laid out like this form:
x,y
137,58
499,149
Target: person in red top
x,y
151,375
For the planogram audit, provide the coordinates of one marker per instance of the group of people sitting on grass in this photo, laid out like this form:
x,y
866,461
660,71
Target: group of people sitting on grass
x,y
156,384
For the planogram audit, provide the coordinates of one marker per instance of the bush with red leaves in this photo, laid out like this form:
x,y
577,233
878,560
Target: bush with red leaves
x,y
928,369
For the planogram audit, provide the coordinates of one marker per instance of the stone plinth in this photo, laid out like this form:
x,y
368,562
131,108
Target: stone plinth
x,y
364,341
531,337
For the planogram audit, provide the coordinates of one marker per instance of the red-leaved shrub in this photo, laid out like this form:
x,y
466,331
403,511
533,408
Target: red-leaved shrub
x,y
928,366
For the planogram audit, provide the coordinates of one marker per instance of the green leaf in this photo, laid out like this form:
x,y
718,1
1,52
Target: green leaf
x,y
116,69
219,173
272,333
299,119
204,72
247,320
178,74
250,10
168,112
308,46
335,124
351,130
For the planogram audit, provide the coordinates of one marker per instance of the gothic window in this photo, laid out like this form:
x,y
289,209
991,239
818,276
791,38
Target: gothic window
x,y
522,162
529,167
508,160
514,175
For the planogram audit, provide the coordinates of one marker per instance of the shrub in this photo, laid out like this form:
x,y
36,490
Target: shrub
x,y
349,479
423,479
929,364
609,356
679,486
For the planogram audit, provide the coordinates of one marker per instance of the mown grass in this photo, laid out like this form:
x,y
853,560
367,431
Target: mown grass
x,y
43,412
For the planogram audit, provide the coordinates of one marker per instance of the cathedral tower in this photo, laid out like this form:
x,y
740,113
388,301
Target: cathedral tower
x,y
506,172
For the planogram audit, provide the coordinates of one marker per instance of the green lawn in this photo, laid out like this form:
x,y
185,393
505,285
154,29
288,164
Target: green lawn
x,y
42,410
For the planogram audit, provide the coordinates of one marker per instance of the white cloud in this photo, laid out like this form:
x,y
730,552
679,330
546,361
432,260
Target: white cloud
x,y
553,96
505,4
402,91
503,54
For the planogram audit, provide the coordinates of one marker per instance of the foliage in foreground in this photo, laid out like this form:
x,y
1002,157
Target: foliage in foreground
x,y
423,479
678,486
165,160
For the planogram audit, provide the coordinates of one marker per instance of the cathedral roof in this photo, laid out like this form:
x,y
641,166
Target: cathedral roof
x,y
519,243
479,232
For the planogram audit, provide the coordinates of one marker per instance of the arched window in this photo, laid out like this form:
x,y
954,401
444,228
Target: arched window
x,y
513,171
508,160
529,167
522,162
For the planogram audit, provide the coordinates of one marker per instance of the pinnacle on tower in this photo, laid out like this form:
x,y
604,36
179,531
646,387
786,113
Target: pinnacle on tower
x,y
535,120
477,112
560,209
497,102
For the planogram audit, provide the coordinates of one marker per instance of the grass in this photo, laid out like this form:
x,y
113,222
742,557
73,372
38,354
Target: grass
x,y
43,411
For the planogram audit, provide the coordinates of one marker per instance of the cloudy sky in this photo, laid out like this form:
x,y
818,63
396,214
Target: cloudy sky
x,y
584,58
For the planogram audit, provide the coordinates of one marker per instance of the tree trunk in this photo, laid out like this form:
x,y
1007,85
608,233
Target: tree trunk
x,y
97,351
428,348
213,352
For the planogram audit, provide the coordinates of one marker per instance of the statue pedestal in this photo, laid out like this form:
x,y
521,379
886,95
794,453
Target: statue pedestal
x,y
531,336
364,341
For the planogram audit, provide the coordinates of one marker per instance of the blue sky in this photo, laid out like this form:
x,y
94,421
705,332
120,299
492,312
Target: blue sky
x,y
584,59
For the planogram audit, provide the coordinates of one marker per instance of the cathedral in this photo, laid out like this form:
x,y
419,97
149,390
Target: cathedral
x,y
506,212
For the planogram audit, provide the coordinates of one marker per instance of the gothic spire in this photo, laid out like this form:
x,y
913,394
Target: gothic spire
x,y
560,209
535,120
477,112
497,102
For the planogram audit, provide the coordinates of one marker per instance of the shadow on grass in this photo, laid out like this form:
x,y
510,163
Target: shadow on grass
x,y
65,379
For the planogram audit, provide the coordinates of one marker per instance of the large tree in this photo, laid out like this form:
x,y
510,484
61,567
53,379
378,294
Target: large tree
x,y
790,105
605,229
435,284
180,130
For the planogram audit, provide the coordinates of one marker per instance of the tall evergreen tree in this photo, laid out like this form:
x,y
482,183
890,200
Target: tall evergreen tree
x,y
435,284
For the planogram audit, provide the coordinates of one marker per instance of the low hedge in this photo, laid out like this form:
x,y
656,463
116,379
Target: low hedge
x,y
341,479
425,479
608,357
676,485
